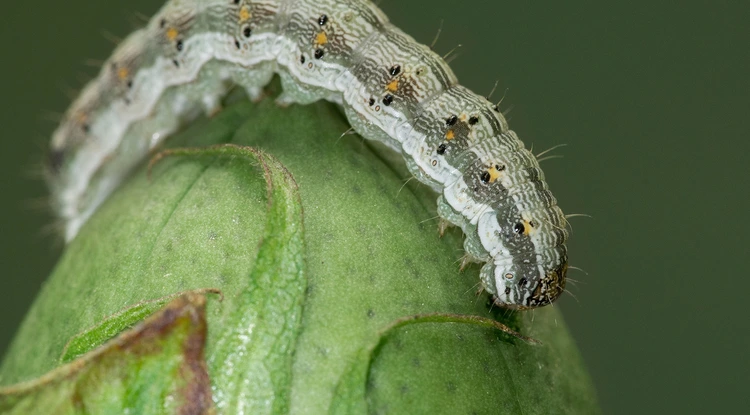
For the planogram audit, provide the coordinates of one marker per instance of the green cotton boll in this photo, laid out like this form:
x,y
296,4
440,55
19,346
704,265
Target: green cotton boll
x,y
318,272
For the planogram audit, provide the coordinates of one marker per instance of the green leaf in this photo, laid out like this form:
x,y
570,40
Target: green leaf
x,y
94,337
256,345
350,393
155,368
371,256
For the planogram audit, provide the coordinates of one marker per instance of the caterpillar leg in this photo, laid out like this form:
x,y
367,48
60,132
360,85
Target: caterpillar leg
x,y
472,244
255,93
253,80
466,260
211,105
443,226
294,92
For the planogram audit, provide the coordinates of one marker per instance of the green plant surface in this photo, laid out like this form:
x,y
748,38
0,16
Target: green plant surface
x,y
157,367
111,326
310,319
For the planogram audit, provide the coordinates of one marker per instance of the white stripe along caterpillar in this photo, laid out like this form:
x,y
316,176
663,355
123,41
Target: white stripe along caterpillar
x,y
392,89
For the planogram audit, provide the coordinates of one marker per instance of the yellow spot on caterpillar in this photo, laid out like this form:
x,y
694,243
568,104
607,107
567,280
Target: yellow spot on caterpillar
x,y
123,73
393,86
245,14
528,228
172,34
450,135
494,174
321,39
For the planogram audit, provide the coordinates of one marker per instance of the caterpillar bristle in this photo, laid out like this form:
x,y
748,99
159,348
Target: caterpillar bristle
x,y
437,35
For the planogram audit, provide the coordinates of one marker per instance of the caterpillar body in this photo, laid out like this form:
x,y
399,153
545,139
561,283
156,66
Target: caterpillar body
x,y
392,89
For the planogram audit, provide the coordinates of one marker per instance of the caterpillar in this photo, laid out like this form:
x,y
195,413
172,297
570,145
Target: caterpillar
x,y
391,88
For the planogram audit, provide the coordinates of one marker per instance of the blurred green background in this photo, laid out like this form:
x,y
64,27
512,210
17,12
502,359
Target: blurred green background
x,y
652,100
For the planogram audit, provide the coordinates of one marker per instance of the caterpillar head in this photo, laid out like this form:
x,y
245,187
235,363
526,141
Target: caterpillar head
x,y
524,285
